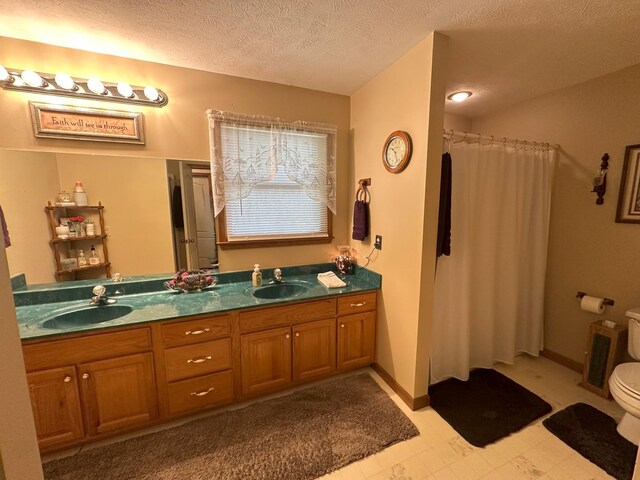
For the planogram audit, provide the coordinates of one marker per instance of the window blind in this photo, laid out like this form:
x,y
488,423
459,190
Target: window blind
x,y
273,181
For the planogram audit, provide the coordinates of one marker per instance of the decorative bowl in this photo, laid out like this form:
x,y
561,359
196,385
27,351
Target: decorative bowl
x,y
189,281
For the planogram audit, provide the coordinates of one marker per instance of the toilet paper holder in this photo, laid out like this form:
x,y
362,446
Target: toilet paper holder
x,y
607,301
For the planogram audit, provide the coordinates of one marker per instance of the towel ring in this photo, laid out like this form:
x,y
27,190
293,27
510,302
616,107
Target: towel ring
x,y
365,193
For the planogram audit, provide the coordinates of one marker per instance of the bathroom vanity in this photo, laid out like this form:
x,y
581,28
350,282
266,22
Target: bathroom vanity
x,y
100,381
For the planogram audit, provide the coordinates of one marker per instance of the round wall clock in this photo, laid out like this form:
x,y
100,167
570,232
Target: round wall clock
x,y
396,151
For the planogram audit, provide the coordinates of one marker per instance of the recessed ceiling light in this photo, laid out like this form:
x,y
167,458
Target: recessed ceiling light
x,y
460,96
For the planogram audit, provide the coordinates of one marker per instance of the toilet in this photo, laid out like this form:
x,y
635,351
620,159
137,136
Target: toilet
x,y
624,383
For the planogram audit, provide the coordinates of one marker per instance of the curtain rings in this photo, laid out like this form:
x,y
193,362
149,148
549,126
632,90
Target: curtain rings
x,y
464,138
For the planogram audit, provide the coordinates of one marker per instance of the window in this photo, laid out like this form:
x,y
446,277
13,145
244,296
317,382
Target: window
x,y
273,182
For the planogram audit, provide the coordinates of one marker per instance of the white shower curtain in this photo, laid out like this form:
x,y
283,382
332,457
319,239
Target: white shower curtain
x,y
489,294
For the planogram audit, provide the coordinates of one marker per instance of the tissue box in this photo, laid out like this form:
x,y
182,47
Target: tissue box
x,y
69,263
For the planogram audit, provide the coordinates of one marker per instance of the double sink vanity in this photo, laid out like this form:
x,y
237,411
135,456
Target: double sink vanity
x,y
156,355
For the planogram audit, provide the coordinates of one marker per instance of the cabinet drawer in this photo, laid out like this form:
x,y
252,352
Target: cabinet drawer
x,y
364,302
85,349
193,331
200,392
290,314
199,359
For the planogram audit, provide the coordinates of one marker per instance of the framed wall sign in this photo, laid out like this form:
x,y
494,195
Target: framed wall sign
x,y
629,199
78,123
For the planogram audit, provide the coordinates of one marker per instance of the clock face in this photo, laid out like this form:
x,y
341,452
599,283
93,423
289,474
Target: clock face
x,y
397,151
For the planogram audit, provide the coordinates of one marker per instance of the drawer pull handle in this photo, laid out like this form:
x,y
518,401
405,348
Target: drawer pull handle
x,y
199,359
85,376
361,304
67,379
197,332
203,393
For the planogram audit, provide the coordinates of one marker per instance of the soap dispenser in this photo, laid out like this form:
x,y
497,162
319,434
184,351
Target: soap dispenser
x,y
256,277
82,260
94,259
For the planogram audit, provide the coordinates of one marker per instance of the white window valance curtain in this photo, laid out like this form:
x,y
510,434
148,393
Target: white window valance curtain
x,y
247,150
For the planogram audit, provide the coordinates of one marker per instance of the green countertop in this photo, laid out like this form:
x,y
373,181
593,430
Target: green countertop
x,y
163,305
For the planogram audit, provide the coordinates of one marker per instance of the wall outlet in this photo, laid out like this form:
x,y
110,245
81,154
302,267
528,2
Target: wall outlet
x,y
378,243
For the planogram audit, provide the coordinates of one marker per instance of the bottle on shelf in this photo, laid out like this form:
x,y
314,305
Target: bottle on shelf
x,y
82,259
94,259
79,195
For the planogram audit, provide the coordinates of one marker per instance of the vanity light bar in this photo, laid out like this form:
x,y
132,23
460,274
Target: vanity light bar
x,y
86,88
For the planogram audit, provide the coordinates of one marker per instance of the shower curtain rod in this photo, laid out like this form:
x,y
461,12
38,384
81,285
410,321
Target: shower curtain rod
x,y
477,137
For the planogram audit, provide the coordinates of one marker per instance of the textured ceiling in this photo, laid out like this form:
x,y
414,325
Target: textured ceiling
x,y
505,51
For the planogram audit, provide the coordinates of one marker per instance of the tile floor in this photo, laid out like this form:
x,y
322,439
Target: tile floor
x,y
439,453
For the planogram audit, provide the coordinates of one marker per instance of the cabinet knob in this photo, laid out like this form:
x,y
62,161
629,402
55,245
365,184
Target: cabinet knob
x,y
85,376
342,325
287,336
297,334
67,379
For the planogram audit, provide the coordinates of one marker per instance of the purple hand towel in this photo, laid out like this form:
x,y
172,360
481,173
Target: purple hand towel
x,y
5,232
360,220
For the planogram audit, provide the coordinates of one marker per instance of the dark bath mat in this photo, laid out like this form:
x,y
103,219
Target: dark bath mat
x,y
487,407
295,437
593,435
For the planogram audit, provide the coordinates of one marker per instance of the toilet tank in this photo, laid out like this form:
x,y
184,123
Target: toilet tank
x,y
634,332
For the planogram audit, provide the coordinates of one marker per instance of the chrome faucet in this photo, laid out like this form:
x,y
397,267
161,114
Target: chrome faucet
x,y
100,298
277,276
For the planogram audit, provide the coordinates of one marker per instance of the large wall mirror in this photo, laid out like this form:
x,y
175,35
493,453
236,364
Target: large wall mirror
x,y
158,212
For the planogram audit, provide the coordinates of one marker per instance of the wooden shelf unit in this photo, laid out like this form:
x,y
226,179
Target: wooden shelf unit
x,y
57,242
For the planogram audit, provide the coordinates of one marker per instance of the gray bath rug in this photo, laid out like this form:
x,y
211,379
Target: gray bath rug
x,y
593,435
299,436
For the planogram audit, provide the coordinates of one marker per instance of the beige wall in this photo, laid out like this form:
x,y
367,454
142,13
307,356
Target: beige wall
x,y
459,123
588,251
398,99
18,446
179,130
27,181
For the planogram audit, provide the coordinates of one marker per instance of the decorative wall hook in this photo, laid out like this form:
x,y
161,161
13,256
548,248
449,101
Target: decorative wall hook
x,y
600,181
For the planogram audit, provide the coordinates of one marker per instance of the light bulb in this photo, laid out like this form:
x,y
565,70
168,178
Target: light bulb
x,y
32,79
125,90
5,76
151,93
96,86
64,80
459,96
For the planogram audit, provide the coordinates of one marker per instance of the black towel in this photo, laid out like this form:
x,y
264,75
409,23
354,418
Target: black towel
x,y
444,218
360,220
176,207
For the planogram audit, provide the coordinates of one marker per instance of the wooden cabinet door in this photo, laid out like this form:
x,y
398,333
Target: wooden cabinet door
x,y
56,406
118,393
266,360
356,340
314,349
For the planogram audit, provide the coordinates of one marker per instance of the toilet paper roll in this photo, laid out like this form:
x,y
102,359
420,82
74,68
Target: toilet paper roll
x,y
592,304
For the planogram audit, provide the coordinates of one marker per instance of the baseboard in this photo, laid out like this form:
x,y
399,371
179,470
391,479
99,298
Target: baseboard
x,y
562,360
413,403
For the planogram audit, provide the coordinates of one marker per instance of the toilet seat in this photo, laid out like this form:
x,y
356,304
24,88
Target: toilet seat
x,y
627,377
